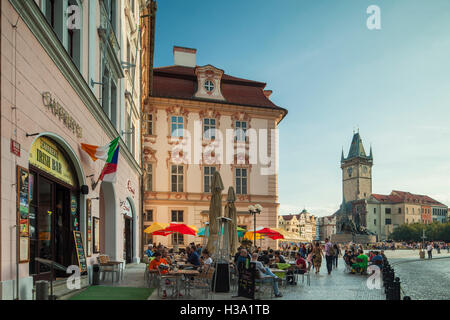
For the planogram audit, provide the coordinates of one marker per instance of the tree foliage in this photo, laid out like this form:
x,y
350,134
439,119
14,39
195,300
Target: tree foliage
x,y
435,231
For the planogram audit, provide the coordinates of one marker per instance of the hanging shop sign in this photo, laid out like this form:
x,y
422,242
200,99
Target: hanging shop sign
x,y
55,107
48,157
23,211
125,208
73,205
15,148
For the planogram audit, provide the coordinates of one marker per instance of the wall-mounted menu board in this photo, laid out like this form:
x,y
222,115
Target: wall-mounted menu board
x,y
89,227
96,234
80,251
23,210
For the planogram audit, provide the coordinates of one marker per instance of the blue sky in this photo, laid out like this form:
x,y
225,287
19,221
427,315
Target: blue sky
x,y
334,75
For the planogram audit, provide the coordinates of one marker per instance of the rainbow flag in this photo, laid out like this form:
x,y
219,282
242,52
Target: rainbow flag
x,y
108,153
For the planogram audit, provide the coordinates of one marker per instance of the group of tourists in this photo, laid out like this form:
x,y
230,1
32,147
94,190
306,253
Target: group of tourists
x,y
163,259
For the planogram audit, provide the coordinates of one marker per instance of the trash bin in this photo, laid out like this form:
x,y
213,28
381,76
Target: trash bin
x,y
42,290
95,275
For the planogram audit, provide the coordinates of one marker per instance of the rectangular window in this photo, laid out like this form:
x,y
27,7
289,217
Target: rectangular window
x,y
148,216
133,140
148,119
240,131
177,176
209,129
387,210
241,181
177,216
388,221
105,91
128,51
374,222
399,210
374,210
149,178
177,239
208,173
113,116
127,130
176,126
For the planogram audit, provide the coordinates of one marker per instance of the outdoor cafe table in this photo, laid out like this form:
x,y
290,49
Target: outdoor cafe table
x,y
188,274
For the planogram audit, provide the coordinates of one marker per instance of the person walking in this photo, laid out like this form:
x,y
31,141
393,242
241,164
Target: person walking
x,y
430,251
329,254
336,256
317,257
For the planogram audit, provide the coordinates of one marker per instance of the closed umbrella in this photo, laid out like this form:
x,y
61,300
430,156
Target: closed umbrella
x,y
230,212
215,211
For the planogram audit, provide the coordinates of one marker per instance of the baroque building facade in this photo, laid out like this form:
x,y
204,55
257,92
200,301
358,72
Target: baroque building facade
x,y
304,224
199,120
68,78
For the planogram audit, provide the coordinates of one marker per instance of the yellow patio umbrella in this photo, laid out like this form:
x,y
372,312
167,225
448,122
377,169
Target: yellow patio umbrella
x,y
193,227
156,226
249,236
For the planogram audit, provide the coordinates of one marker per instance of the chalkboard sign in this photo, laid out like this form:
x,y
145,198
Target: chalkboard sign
x,y
247,275
80,251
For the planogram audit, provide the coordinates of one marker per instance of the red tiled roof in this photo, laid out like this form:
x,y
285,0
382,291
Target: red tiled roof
x,y
416,198
386,198
288,217
181,82
402,196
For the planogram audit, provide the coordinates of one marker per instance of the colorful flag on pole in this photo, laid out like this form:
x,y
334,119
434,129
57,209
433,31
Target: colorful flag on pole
x,y
109,153
102,153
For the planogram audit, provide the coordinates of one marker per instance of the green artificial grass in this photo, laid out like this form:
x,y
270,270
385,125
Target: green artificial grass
x,y
113,293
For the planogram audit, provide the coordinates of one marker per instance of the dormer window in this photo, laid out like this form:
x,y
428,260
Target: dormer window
x,y
209,86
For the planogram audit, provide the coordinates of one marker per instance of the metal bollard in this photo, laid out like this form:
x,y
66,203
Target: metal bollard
x,y
396,291
41,290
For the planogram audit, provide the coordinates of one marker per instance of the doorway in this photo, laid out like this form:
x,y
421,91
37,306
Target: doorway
x,y
128,240
52,222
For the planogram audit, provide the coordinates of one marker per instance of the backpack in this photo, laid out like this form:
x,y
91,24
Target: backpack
x,y
331,251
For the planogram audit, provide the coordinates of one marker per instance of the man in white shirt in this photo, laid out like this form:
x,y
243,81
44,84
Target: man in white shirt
x,y
430,250
266,275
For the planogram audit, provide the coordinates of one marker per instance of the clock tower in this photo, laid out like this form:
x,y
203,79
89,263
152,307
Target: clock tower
x,y
356,172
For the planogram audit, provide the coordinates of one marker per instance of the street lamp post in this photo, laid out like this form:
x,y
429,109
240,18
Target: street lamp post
x,y
256,209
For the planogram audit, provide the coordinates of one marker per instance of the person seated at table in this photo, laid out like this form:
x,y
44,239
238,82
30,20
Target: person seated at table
x,y
264,258
279,258
361,263
193,257
165,255
377,260
299,268
149,251
266,275
206,259
155,264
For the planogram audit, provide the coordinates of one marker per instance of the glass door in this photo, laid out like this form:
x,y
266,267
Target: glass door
x,y
44,226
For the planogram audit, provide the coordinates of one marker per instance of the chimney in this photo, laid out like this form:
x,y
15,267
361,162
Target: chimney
x,y
267,93
184,57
